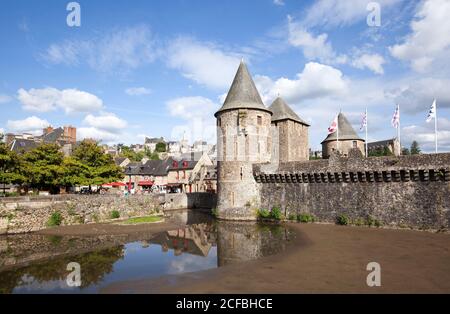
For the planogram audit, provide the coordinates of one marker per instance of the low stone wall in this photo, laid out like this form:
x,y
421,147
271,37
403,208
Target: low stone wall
x,y
406,191
27,214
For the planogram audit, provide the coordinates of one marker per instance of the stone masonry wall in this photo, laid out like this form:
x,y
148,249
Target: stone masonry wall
x,y
20,215
405,191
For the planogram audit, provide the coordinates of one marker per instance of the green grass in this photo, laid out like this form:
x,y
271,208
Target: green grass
x,y
141,220
55,219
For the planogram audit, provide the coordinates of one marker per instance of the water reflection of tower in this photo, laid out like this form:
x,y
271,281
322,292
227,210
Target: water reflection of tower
x,y
244,241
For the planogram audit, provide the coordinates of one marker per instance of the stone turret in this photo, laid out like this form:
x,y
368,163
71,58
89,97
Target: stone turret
x,y
348,139
243,139
290,138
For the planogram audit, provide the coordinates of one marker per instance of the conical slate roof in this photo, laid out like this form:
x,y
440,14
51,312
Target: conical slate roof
x,y
346,131
243,93
281,111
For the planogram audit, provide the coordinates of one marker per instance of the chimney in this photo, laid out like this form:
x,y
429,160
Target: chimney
x,y
47,130
70,133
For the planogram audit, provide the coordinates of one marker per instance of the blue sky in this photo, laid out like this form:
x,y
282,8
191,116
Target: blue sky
x,y
162,68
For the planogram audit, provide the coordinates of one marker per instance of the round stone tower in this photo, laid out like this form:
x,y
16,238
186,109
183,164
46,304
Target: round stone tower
x,y
243,139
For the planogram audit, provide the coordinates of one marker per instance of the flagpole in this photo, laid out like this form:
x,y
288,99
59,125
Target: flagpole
x,y
367,122
398,129
337,120
435,126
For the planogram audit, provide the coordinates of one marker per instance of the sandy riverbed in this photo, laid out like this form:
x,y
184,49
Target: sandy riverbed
x,y
324,259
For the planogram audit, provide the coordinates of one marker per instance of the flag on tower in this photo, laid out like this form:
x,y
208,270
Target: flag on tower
x,y
334,126
396,118
432,112
364,121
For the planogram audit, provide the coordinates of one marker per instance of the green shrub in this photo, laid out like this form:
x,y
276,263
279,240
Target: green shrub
x,y
55,219
305,217
342,220
263,213
215,212
359,222
115,214
292,217
276,213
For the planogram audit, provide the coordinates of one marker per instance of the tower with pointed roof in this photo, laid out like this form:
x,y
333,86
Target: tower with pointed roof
x,y
348,139
290,136
243,139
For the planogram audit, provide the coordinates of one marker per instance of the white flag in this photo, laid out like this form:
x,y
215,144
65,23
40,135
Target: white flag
x,y
334,125
396,118
363,122
432,112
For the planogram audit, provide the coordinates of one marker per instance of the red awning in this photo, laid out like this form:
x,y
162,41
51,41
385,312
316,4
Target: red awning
x,y
146,183
114,184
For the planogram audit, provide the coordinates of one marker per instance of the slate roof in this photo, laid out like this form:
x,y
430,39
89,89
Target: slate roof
x,y
243,93
119,160
346,131
281,111
383,143
23,145
53,136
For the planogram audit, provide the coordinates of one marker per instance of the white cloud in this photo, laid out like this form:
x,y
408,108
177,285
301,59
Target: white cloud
x,y
315,81
332,13
190,107
106,127
373,62
198,112
278,2
204,63
138,91
424,135
48,99
4,99
106,122
33,125
429,39
313,47
417,94
120,50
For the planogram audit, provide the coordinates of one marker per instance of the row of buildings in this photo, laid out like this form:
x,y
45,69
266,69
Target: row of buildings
x,y
189,173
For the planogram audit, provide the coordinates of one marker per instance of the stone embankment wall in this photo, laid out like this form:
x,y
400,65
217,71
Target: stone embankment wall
x,y
405,191
27,214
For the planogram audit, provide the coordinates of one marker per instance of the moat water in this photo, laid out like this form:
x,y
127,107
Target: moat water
x,y
35,263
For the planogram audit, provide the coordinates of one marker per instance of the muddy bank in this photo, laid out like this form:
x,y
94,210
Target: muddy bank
x,y
323,259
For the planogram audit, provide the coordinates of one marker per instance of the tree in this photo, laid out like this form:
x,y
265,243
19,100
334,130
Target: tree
x,y
405,151
160,147
43,167
415,149
10,166
151,155
381,151
126,151
89,165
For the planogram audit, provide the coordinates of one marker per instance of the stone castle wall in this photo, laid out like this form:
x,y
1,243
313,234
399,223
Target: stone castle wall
x,y
344,147
243,139
21,215
408,191
291,139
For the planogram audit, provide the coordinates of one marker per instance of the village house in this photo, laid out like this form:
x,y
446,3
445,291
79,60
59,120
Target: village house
x,y
392,145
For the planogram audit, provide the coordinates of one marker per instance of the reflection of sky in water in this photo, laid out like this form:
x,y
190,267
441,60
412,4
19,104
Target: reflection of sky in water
x,y
138,262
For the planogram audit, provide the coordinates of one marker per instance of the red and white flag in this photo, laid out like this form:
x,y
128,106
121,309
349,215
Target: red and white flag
x,y
396,118
334,126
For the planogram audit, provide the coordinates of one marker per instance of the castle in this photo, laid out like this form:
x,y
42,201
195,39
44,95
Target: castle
x,y
263,161
250,133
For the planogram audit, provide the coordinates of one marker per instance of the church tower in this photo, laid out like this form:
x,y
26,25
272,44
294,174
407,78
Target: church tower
x,y
243,139
290,139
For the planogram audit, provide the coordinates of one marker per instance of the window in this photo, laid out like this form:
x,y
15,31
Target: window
x,y
259,119
219,122
355,144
